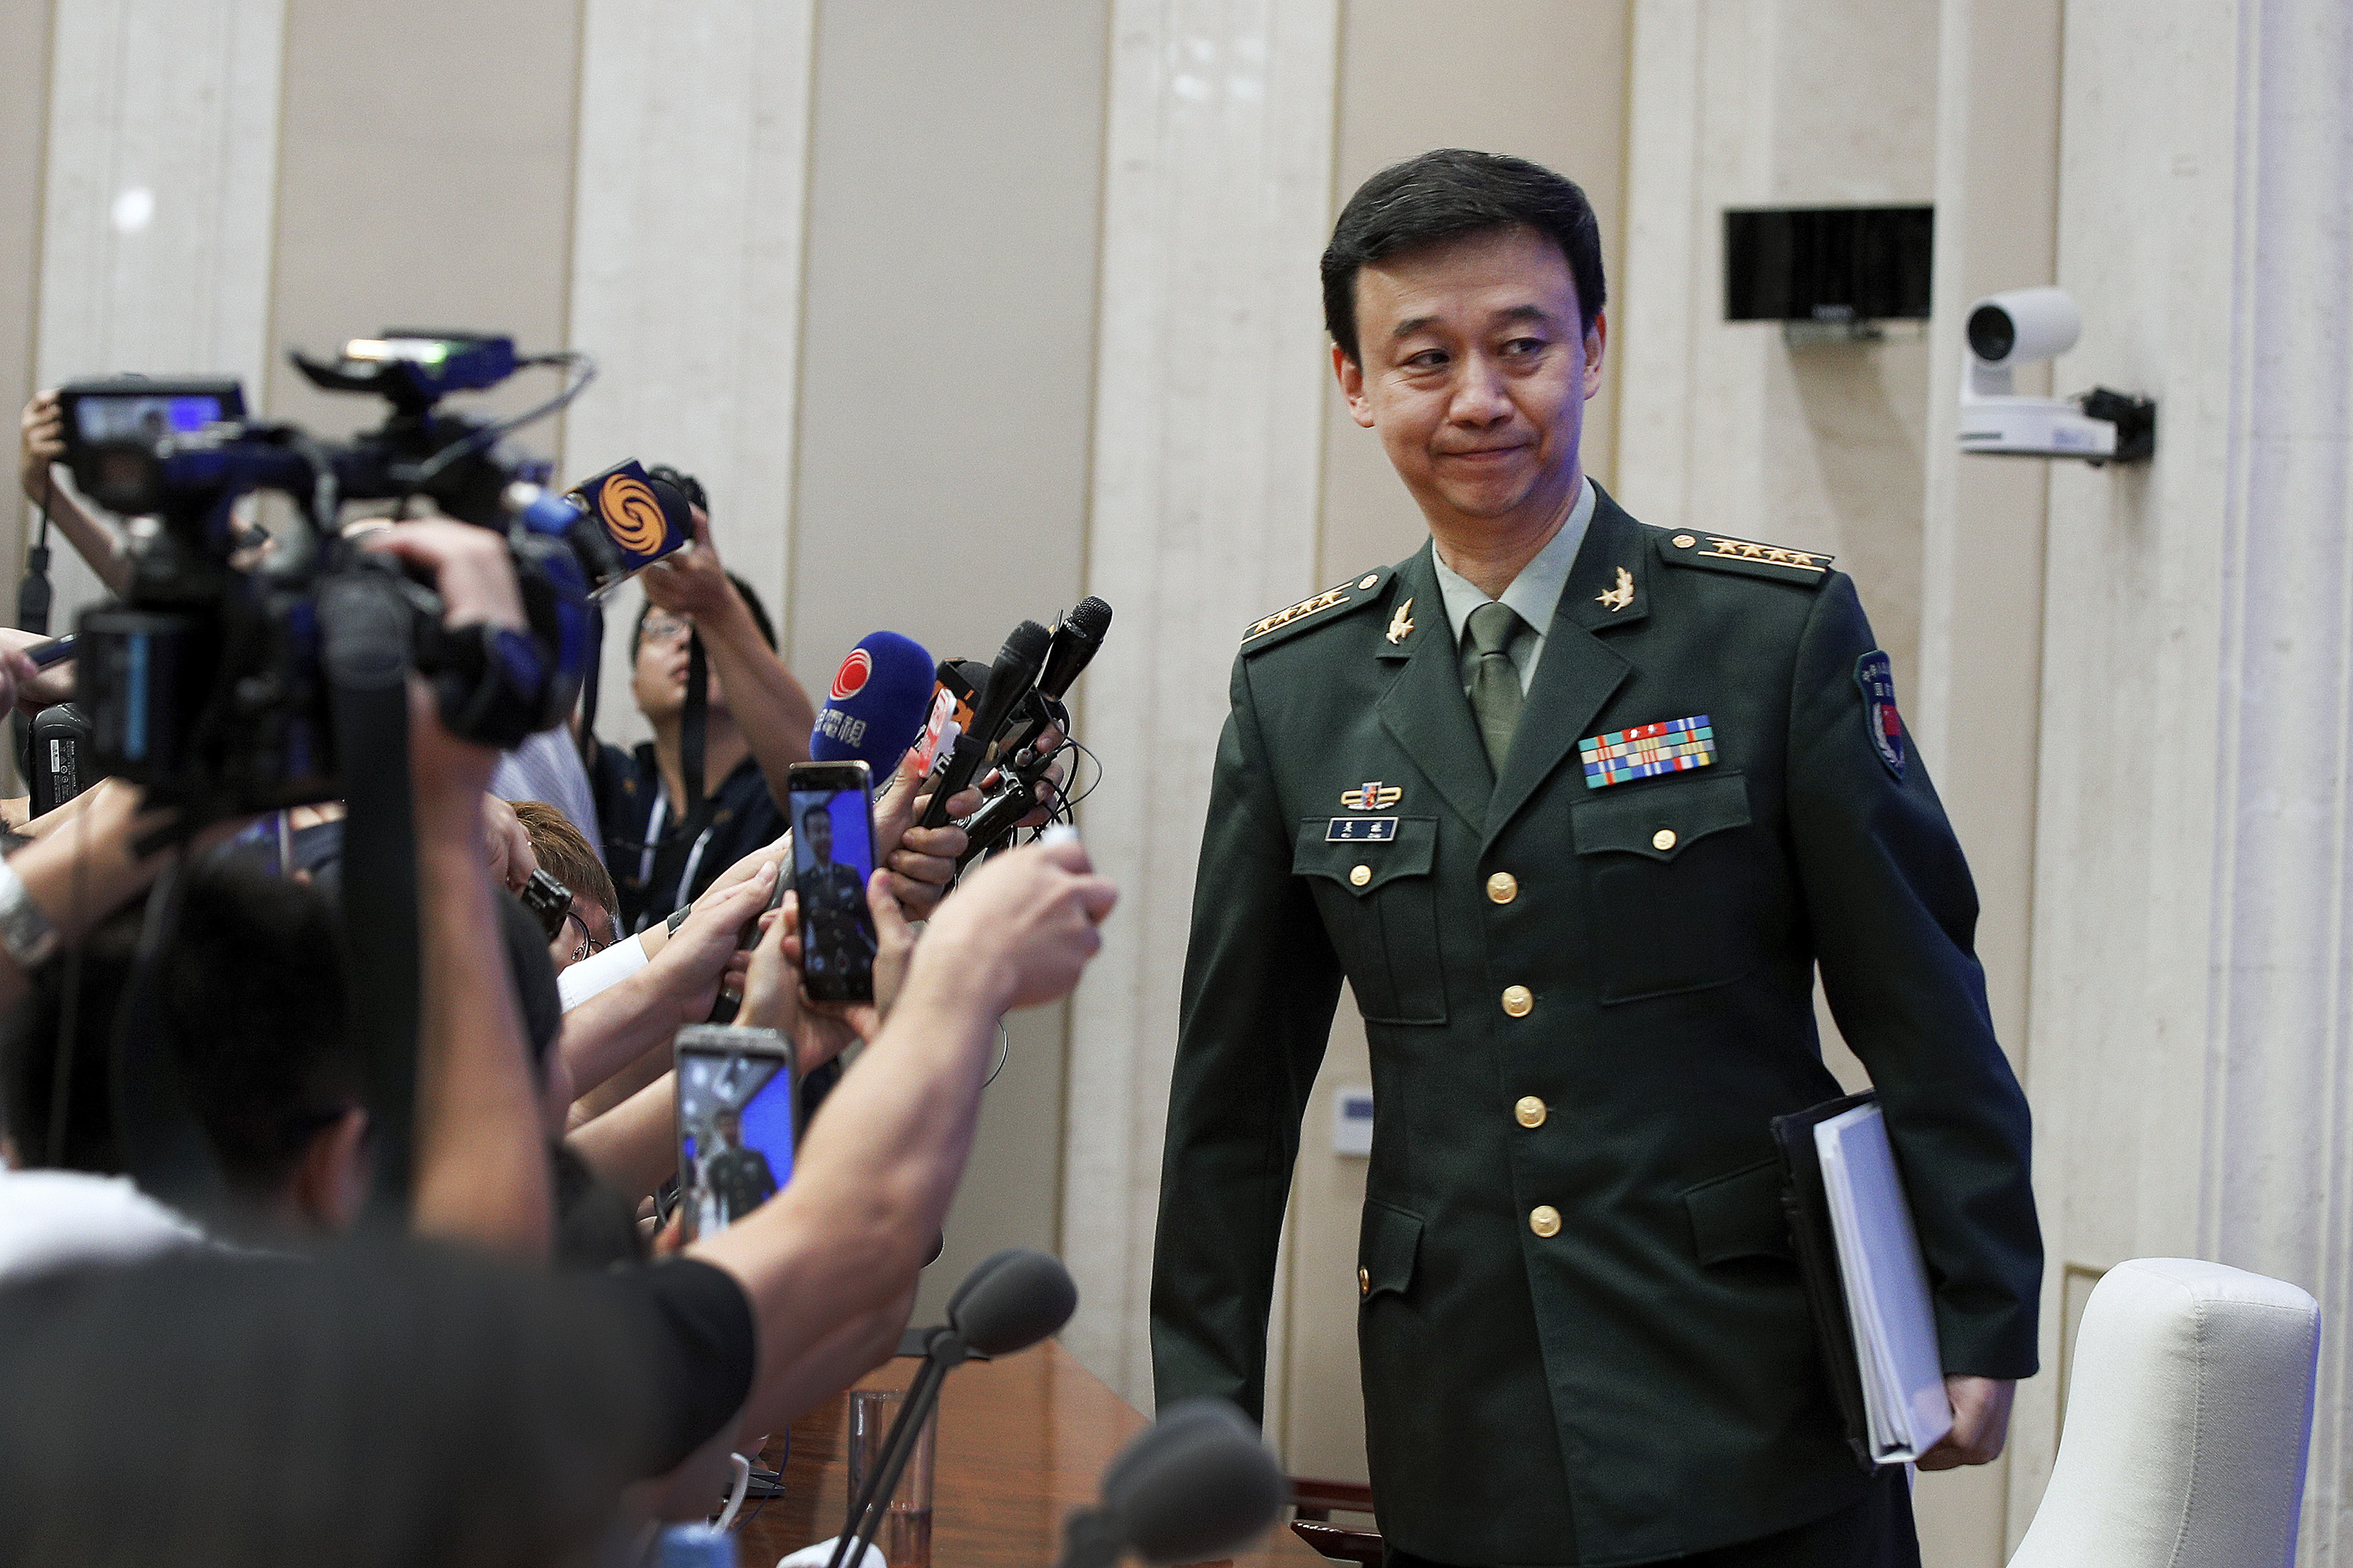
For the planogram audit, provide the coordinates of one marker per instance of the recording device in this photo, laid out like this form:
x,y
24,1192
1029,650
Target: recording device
x,y
1010,680
113,428
57,758
1075,642
1197,1486
2017,327
209,683
831,811
549,902
876,706
1010,1300
957,687
57,650
735,1122
1078,636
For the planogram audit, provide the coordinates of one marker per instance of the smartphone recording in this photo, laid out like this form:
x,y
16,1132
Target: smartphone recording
x,y
735,1122
832,808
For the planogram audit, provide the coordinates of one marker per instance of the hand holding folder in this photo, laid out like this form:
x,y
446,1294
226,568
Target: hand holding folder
x,y
1866,1283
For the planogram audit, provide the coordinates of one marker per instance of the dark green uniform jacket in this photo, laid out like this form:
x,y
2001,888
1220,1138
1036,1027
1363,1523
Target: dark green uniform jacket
x,y
1583,1338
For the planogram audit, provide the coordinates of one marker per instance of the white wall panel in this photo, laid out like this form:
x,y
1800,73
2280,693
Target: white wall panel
x,y
1207,419
163,157
686,270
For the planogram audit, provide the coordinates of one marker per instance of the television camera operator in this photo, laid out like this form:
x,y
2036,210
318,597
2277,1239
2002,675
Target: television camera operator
x,y
824,1270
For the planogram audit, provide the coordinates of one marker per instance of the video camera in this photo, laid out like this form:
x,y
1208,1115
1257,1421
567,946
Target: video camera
x,y
209,683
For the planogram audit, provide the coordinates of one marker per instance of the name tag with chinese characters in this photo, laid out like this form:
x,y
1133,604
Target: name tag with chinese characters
x,y
1361,831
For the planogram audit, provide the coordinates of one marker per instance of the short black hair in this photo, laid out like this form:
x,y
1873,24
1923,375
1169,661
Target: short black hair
x,y
254,1012
751,602
1447,195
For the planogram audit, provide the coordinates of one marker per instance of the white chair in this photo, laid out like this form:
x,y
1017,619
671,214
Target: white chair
x,y
2189,1410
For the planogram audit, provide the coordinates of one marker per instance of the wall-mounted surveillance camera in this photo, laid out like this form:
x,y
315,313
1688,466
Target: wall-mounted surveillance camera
x,y
2012,328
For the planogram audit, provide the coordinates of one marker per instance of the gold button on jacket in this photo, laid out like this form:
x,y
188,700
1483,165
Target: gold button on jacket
x,y
1364,1281
1663,839
1545,1220
1360,876
1530,1111
1502,887
1518,1000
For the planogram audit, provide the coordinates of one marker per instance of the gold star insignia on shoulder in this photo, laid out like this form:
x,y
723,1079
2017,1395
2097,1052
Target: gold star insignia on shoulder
x,y
1322,609
1305,608
1620,596
1746,557
1401,623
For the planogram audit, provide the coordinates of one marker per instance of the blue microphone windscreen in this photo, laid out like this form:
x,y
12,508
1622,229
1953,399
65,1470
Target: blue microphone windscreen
x,y
880,698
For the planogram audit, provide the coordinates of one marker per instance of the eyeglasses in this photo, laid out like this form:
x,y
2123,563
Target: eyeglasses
x,y
589,946
664,628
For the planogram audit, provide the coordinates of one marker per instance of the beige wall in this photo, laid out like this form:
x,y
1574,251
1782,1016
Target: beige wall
x,y
23,135
401,204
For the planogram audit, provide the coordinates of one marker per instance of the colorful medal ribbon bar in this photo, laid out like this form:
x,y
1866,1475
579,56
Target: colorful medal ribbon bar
x,y
1646,750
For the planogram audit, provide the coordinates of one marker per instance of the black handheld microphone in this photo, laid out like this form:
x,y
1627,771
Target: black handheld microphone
x,y
1194,1487
1078,636
1010,678
1008,1302
1076,640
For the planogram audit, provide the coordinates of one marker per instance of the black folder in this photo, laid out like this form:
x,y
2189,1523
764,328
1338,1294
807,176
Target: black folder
x,y
1808,1208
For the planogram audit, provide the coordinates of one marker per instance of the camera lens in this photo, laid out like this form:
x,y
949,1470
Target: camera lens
x,y
1992,335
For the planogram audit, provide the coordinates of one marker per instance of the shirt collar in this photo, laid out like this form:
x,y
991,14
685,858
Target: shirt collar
x,y
1534,595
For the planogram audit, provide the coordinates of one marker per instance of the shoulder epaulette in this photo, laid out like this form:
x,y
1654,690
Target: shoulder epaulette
x,y
1719,553
1316,610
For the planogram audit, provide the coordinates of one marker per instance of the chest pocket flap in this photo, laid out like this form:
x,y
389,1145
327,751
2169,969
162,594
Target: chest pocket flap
x,y
1379,902
1409,854
1663,820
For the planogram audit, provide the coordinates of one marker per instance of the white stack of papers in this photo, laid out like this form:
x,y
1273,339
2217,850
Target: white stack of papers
x,y
1886,1287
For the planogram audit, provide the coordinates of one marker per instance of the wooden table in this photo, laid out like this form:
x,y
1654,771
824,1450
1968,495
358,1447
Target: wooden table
x,y
1022,1442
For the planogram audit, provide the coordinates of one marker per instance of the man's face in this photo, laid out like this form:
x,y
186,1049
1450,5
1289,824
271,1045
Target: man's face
x,y
729,1129
1475,376
817,829
658,680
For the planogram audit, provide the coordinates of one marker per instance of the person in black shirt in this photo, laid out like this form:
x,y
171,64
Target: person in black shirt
x,y
660,851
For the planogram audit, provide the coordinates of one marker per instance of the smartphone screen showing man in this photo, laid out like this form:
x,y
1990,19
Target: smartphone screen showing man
x,y
735,1122
833,855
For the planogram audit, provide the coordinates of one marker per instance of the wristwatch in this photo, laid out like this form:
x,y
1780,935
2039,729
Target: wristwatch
x,y
25,931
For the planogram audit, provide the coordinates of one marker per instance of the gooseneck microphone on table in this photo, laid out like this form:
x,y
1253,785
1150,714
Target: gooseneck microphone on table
x,y
1008,1302
1010,680
1194,1487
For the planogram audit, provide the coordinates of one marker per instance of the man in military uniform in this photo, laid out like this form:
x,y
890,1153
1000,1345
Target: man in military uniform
x,y
1578,807
740,1178
838,930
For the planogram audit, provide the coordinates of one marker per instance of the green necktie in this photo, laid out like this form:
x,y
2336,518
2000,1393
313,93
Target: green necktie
x,y
1494,683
